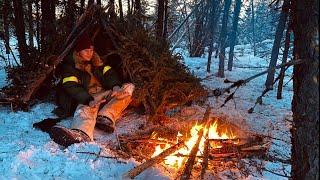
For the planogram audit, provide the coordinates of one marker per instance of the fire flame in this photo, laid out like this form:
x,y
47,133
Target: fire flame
x,y
179,157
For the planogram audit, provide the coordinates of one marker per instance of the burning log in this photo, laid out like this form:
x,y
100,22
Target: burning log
x,y
205,158
150,141
189,165
157,159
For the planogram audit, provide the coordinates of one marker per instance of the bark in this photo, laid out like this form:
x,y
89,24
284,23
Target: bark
x,y
82,5
137,8
71,14
20,30
48,30
90,2
30,23
165,23
305,103
253,29
212,28
121,10
112,10
5,13
223,37
187,26
38,24
160,18
197,45
284,60
277,43
129,7
234,33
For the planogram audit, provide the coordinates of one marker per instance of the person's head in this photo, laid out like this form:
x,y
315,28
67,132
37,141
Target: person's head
x,y
84,47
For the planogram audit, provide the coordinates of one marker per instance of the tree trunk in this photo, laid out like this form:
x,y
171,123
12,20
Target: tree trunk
x,y
253,29
48,30
82,5
223,37
113,14
30,23
90,2
120,10
211,28
277,43
198,40
5,13
71,15
20,31
187,26
38,24
305,103
284,60
234,33
129,8
165,23
137,8
160,18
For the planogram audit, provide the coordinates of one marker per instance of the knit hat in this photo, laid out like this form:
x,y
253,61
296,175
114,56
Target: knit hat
x,y
84,42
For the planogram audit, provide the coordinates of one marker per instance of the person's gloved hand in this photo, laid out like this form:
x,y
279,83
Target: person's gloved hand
x,y
129,88
123,92
99,98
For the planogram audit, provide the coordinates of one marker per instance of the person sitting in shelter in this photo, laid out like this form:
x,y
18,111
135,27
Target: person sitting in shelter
x,y
91,91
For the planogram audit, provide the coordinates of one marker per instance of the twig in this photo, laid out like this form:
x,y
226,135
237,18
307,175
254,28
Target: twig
x,y
278,174
102,156
185,20
251,67
259,99
288,81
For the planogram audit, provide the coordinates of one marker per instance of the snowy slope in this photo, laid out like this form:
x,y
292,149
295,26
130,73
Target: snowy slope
x,y
26,153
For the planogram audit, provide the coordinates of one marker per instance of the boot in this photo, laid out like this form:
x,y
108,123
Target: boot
x,y
105,124
66,137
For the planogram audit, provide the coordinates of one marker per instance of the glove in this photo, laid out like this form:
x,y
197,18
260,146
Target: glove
x,y
99,98
123,92
129,88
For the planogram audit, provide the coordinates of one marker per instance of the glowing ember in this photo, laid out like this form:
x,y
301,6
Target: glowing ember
x,y
180,156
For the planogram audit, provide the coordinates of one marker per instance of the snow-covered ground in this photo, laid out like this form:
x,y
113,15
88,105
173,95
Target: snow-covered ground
x,y
27,153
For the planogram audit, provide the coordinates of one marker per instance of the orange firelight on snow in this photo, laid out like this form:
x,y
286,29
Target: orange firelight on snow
x,y
180,156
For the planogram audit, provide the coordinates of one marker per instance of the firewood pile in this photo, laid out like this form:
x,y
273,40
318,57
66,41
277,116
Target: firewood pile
x,y
194,159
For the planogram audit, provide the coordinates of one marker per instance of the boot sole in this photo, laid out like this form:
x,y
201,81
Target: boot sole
x,y
62,136
105,128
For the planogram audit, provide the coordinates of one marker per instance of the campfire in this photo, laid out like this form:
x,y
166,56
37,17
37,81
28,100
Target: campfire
x,y
208,144
180,156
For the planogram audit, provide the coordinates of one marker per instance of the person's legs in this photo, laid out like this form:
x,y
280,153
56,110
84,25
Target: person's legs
x,y
84,119
111,112
83,124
